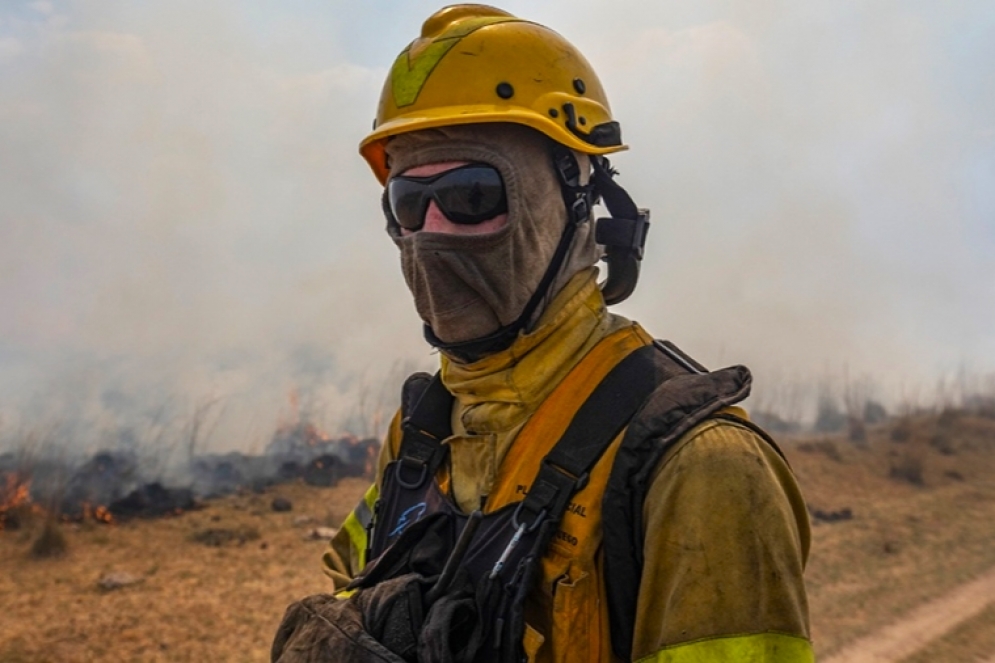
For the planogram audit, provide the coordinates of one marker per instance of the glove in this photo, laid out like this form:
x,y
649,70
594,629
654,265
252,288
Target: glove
x,y
325,629
387,619
394,612
451,631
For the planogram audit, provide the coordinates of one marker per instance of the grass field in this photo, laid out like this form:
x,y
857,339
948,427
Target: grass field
x,y
921,493
908,541
193,602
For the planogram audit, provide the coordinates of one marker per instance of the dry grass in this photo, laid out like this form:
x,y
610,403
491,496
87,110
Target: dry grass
x,y
50,542
211,590
913,535
219,602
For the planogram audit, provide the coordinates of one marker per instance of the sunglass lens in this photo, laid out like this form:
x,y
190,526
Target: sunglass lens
x,y
472,194
469,194
408,202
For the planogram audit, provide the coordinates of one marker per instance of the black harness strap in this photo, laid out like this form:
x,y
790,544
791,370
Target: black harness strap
x,y
563,472
599,420
687,398
422,451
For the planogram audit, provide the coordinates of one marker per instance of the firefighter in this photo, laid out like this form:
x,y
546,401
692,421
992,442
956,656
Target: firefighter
x,y
565,488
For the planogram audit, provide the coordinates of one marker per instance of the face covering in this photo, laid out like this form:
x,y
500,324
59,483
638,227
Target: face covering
x,y
468,287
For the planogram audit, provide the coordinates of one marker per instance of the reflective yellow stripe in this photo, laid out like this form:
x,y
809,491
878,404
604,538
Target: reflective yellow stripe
x,y
757,648
356,522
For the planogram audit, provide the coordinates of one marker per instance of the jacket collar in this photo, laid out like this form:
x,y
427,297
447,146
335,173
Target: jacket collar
x,y
500,391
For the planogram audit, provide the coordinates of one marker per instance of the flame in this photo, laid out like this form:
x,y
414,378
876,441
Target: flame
x,y
103,514
99,514
314,435
15,492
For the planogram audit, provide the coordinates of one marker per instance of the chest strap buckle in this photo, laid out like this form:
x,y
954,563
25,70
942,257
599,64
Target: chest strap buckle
x,y
548,496
421,455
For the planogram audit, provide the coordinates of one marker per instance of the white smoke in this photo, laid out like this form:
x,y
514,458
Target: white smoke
x,y
183,215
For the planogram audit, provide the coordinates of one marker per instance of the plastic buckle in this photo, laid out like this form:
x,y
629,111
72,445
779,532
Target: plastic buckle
x,y
566,164
580,211
626,234
641,230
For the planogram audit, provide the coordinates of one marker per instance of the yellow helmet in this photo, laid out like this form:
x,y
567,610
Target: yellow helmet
x,y
475,63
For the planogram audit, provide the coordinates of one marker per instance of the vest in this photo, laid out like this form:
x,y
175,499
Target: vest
x,y
565,510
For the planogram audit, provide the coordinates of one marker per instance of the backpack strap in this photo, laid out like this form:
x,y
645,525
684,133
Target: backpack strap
x,y
412,390
424,429
605,413
565,470
678,404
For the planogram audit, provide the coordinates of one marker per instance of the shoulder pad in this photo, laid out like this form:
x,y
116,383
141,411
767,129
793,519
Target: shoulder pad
x,y
414,386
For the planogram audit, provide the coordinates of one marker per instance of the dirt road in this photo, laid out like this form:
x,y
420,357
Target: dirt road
x,y
922,626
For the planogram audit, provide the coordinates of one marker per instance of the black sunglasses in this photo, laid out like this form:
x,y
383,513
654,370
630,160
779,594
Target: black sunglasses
x,y
467,195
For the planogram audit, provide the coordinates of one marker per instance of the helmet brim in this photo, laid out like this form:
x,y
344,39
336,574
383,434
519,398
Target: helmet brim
x,y
373,146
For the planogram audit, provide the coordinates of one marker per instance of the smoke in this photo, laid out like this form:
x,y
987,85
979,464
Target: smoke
x,y
820,178
183,215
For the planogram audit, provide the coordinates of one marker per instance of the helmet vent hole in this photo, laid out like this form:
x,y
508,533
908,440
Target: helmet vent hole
x,y
579,86
553,112
505,91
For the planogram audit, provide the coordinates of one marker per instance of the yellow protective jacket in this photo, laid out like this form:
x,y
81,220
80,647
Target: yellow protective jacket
x,y
726,532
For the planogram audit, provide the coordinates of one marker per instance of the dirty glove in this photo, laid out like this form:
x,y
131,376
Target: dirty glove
x,y
380,623
323,629
452,632
394,611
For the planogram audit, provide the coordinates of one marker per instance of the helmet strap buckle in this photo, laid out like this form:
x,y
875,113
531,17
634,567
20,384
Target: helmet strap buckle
x,y
580,210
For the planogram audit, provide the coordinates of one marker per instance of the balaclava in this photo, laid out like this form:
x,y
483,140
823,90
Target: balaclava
x,y
467,287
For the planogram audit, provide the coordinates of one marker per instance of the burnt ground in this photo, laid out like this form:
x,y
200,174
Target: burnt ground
x,y
904,517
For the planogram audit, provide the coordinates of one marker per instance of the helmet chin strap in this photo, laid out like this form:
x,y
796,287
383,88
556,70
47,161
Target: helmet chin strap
x,y
623,237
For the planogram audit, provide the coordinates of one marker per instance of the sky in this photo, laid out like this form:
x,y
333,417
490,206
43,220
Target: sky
x,y
184,217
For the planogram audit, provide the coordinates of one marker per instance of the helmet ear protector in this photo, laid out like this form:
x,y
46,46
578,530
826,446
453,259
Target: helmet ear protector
x,y
623,233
